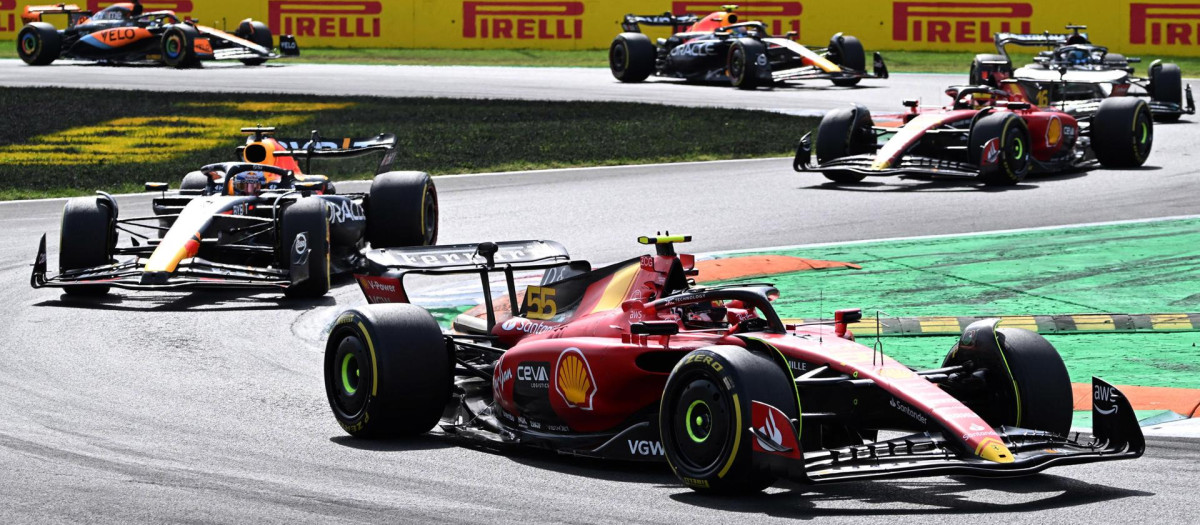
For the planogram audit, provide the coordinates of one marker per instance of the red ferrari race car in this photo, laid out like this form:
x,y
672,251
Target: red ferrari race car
x,y
124,32
260,223
993,135
722,48
632,361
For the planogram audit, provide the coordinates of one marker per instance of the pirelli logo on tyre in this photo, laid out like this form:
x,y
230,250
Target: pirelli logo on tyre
x,y
958,22
522,20
310,18
781,17
1164,24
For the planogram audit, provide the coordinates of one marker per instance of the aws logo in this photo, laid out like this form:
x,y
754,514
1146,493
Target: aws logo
x,y
574,380
958,22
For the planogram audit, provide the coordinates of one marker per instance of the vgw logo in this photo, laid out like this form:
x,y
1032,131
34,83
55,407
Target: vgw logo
x,y
325,19
1155,16
523,20
641,447
958,22
780,17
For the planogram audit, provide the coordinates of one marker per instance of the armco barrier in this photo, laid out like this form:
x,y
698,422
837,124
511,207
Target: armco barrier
x,y
1168,27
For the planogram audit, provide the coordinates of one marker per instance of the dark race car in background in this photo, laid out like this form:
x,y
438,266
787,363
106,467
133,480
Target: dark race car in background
x,y
989,134
719,48
123,32
633,362
256,223
1075,75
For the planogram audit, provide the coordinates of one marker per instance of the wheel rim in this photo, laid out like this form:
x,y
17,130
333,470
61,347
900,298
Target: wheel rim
x,y
619,60
1018,154
1144,134
348,386
430,217
737,63
700,429
173,46
29,43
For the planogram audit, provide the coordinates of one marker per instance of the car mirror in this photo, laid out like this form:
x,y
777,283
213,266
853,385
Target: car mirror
x,y
156,186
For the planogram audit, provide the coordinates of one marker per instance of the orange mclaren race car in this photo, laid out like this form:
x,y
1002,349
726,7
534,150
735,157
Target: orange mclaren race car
x,y
124,32
722,48
255,223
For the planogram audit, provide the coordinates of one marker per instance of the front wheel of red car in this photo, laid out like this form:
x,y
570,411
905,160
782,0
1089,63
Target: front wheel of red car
x,y
1000,145
387,370
1122,132
704,417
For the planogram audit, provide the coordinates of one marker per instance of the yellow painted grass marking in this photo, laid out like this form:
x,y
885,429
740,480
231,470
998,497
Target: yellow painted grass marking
x,y
939,325
269,107
132,140
1020,321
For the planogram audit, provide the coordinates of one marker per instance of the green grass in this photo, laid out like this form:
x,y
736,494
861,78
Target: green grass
x,y
897,61
116,140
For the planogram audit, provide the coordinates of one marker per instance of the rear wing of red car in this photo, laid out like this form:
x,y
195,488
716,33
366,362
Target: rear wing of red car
x,y
383,279
679,23
33,13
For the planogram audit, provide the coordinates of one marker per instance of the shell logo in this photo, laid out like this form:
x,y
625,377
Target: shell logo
x,y
1054,130
573,379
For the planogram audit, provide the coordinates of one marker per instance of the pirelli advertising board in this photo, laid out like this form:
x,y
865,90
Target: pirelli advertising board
x,y
1167,27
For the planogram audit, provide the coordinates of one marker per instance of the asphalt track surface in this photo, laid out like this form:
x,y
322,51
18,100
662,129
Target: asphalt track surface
x,y
210,407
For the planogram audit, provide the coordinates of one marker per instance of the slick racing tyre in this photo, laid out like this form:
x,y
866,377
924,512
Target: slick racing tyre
x,y
1027,384
847,52
387,370
705,415
747,63
307,217
177,46
258,33
1166,85
1122,132
87,240
631,57
39,44
402,210
1010,161
194,183
844,132
983,73
1117,61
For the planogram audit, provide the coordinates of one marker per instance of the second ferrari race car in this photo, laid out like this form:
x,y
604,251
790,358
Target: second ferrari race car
x,y
256,223
1075,75
124,32
990,134
633,362
720,48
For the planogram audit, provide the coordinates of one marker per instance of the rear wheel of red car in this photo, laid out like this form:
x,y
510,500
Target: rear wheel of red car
x,y
86,240
705,413
1026,384
388,371
402,210
847,52
177,46
746,63
305,227
844,132
258,33
631,57
1122,132
1010,161
1166,85
39,44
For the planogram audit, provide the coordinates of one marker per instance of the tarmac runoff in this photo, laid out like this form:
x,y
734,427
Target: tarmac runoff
x,y
1118,301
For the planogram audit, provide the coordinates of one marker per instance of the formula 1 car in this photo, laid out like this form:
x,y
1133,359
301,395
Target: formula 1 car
x,y
633,362
990,134
1075,75
719,48
124,32
256,223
